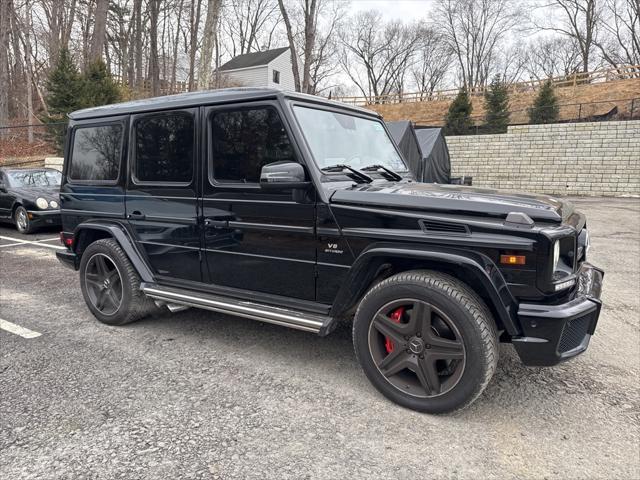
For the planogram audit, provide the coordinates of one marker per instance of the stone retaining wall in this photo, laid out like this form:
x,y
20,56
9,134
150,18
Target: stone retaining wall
x,y
592,159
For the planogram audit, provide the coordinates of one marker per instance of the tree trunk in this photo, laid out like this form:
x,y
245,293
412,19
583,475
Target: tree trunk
x,y
309,44
292,46
193,41
210,33
154,67
99,30
137,12
5,11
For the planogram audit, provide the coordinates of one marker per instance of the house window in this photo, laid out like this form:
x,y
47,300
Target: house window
x,y
276,76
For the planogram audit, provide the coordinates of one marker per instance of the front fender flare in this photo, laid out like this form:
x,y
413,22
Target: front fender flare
x,y
368,264
119,233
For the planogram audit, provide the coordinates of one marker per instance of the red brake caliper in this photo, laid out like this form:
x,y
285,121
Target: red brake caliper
x,y
396,316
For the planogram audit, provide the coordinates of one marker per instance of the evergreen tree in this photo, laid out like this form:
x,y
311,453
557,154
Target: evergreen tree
x,y
545,107
64,95
496,104
458,118
98,86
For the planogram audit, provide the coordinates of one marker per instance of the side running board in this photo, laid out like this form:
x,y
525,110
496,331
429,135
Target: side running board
x,y
309,322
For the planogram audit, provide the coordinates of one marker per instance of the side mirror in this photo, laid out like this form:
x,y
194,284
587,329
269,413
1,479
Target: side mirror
x,y
283,176
3,187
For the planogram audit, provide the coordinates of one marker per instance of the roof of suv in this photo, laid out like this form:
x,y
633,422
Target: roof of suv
x,y
194,99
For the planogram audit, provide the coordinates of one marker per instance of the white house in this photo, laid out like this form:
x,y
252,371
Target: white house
x,y
271,68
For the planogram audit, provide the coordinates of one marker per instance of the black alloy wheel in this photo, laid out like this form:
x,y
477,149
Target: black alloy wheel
x,y
104,284
417,348
426,341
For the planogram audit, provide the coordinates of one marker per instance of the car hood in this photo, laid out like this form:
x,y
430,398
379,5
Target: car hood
x,y
453,199
31,193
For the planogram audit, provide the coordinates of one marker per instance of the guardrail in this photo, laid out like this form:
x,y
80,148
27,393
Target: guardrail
x,y
579,78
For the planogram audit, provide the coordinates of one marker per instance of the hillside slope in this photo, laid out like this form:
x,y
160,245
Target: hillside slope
x,y
610,94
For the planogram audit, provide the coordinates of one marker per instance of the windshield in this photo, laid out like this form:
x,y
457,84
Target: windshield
x,y
340,139
38,178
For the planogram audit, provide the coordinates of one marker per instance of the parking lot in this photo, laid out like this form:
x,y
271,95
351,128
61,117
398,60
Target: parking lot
x,y
201,395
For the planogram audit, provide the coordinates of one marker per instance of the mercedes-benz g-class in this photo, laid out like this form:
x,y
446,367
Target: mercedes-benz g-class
x,y
299,211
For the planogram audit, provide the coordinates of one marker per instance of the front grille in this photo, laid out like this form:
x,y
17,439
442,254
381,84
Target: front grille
x,y
573,333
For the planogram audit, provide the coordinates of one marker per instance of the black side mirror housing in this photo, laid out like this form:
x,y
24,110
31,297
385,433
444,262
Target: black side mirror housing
x,y
3,187
283,175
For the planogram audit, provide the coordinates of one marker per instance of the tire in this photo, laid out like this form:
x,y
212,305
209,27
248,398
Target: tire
x,y
431,335
118,301
21,220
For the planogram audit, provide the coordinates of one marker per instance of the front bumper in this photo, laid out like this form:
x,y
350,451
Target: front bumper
x,y
554,333
44,217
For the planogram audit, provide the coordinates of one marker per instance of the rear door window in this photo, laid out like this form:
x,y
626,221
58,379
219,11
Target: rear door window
x,y
164,148
96,153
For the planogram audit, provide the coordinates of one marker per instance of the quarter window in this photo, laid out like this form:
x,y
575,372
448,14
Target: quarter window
x,y
164,148
243,141
96,153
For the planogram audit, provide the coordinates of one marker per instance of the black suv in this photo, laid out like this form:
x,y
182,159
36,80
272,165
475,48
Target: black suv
x,y
298,211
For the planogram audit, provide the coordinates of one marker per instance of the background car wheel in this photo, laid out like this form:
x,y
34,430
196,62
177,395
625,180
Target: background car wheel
x,y
426,341
21,219
111,286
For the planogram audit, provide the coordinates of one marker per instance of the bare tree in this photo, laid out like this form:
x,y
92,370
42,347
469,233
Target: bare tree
x,y
305,40
578,20
474,30
432,62
553,57
210,34
250,24
622,28
376,56
324,64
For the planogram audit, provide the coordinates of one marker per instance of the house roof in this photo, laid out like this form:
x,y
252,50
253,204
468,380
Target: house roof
x,y
208,97
254,59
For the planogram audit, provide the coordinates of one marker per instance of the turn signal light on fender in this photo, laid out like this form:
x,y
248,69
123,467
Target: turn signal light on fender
x,y
513,259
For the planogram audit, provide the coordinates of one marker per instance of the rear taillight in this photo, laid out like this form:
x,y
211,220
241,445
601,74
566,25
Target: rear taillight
x,y
66,239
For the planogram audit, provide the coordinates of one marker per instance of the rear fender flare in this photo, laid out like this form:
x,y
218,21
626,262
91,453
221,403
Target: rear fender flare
x,y
120,234
368,264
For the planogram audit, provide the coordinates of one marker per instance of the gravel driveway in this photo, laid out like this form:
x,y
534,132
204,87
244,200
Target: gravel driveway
x,y
202,395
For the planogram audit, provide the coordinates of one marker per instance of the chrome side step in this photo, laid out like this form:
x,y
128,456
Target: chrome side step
x,y
308,322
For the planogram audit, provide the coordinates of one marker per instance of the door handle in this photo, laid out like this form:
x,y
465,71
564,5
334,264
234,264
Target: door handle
x,y
136,215
210,222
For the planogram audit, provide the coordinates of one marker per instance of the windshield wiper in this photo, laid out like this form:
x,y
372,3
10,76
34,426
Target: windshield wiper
x,y
374,168
340,167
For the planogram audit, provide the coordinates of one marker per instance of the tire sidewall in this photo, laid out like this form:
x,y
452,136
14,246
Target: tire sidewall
x,y
471,382
107,250
15,220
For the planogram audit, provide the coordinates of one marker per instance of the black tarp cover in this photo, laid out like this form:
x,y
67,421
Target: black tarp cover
x,y
425,151
435,154
404,135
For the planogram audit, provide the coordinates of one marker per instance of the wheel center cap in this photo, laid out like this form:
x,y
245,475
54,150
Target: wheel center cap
x,y
106,283
416,345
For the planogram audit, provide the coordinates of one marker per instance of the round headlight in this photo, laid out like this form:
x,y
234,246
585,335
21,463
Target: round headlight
x,y
42,203
53,204
556,255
